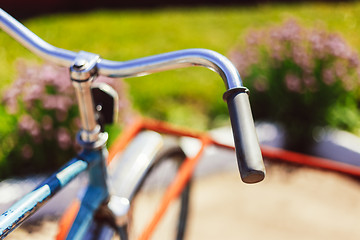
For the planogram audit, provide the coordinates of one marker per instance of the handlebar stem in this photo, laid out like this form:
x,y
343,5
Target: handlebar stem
x,y
83,71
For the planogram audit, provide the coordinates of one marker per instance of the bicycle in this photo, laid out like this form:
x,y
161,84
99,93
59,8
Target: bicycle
x,y
106,207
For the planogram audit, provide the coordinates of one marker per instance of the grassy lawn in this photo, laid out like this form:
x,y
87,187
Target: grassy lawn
x,y
189,96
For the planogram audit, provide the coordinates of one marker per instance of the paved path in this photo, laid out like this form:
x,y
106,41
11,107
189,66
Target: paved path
x,y
219,192
292,203
338,145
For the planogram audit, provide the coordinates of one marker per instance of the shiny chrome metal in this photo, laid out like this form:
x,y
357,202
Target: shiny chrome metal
x,y
90,129
84,66
35,44
173,60
120,207
178,59
127,172
82,72
96,145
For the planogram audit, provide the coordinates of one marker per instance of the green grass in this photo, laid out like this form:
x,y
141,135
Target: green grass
x,y
190,96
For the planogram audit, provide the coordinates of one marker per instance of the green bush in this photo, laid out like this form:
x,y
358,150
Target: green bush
x,y
300,78
7,136
42,107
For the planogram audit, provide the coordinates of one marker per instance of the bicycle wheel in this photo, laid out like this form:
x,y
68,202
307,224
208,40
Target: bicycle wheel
x,y
146,201
149,195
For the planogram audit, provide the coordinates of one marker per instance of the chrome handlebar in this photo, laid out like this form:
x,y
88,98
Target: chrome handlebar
x,y
138,67
35,44
248,151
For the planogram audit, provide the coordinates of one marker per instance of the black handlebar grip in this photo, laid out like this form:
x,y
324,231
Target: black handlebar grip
x,y
248,153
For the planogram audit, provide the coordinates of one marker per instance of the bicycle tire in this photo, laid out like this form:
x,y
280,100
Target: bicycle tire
x,y
170,156
167,162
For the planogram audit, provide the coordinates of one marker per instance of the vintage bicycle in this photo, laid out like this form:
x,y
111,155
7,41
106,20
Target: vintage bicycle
x,y
107,205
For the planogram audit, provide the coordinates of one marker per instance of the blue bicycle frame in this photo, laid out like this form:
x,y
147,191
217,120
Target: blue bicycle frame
x,y
96,192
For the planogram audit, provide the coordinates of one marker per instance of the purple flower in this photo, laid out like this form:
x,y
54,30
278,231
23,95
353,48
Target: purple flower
x,y
58,77
63,138
47,123
293,83
11,101
328,76
336,46
290,31
310,83
340,69
57,102
254,38
353,60
46,93
28,125
316,40
26,151
298,68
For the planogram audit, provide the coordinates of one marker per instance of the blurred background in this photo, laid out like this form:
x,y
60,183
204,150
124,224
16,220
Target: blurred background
x,y
300,59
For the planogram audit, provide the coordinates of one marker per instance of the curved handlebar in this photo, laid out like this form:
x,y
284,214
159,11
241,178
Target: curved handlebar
x,y
142,66
35,44
246,144
178,59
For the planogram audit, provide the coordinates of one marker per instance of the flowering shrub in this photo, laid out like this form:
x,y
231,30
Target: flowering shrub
x,y
44,100
300,78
